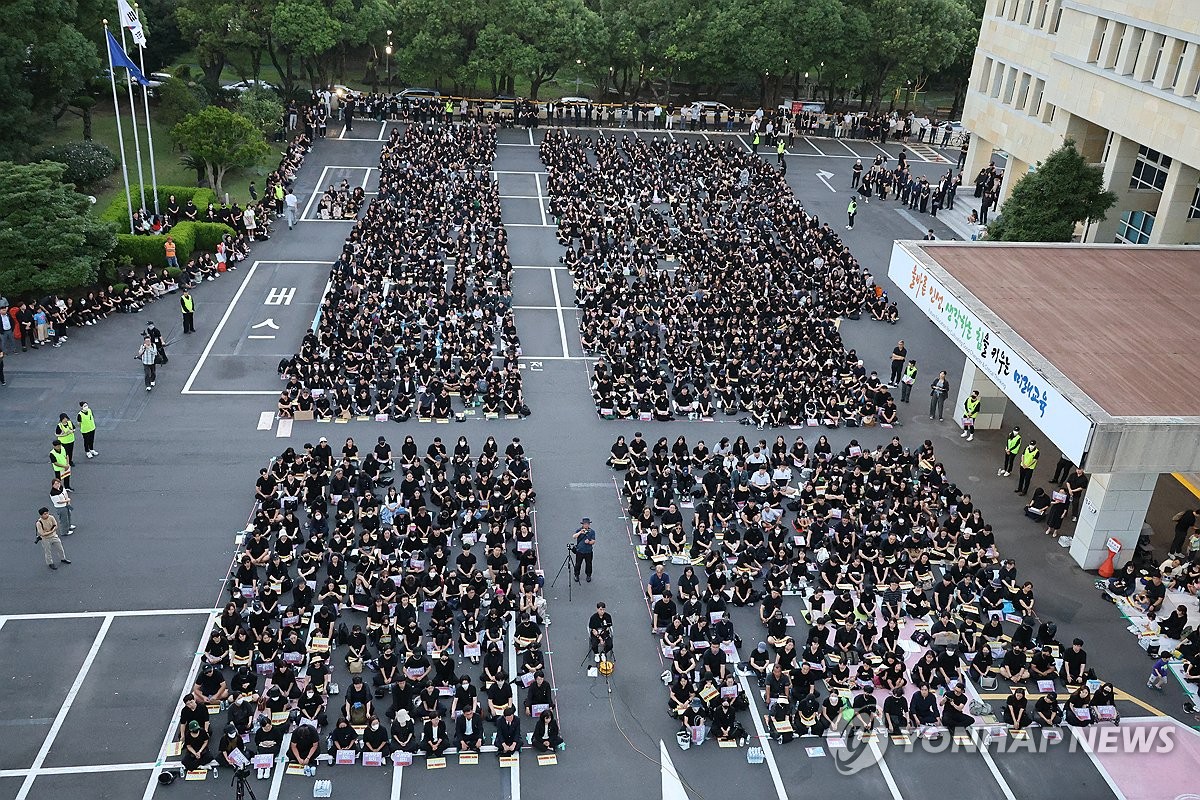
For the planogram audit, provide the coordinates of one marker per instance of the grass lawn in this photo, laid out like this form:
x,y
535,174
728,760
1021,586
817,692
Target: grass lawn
x,y
166,158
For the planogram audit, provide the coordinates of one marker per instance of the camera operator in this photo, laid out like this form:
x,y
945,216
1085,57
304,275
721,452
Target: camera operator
x,y
600,629
585,539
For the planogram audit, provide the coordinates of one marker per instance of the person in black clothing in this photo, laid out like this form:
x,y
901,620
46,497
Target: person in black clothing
x,y
545,733
585,540
895,711
1074,664
600,633
1184,521
539,693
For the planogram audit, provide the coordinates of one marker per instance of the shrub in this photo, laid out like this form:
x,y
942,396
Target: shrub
x,y
117,212
174,272
86,162
208,234
119,287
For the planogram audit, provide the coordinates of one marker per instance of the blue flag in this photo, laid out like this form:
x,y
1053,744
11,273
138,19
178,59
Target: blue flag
x,y
119,59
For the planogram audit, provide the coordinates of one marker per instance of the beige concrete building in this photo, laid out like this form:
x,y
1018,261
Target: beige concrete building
x,y
1121,78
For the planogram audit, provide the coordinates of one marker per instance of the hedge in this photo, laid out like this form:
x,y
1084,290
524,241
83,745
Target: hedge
x,y
118,212
189,236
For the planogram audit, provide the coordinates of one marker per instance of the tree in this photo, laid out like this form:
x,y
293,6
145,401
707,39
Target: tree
x,y
1047,204
45,63
263,108
221,139
206,23
304,29
49,242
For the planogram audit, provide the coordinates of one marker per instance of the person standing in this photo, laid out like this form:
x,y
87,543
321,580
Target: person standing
x,y
1184,522
938,390
2,381
585,541
851,212
970,412
856,175
87,427
46,528
170,251
60,497
65,433
188,306
1076,487
290,204
1029,461
899,353
60,462
1062,470
907,380
148,355
1012,446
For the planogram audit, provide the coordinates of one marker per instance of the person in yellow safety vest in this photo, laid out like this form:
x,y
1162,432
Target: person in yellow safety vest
x,y
87,426
449,110
1029,461
187,305
279,195
970,412
66,434
61,463
907,380
1012,446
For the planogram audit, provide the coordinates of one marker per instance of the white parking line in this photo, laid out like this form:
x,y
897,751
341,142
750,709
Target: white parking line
x,y
147,612
813,146
316,191
382,130
367,177
541,200
886,772
48,742
85,769
397,781
763,738
848,147
562,325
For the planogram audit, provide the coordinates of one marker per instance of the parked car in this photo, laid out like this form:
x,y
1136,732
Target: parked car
x,y
708,107
575,101
156,80
413,92
242,87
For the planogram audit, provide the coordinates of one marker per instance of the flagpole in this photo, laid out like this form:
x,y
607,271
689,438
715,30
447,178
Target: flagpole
x,y
149,133
112,76
137,145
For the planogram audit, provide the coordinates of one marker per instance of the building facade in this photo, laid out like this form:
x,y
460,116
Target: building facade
x,y
1119,77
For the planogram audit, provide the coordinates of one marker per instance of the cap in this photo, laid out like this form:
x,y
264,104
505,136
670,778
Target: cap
x,y
762,647
585,520
193,726
323,439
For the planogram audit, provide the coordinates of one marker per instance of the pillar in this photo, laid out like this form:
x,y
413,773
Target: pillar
x,y
1013,172
1118,169
1171,224
979,155
1114,505
993,400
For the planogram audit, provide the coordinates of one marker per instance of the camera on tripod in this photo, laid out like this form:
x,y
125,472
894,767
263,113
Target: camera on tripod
x,y
571,547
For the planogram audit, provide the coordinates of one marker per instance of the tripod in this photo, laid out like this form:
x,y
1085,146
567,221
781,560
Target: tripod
x,y
241,787
567,562
606,664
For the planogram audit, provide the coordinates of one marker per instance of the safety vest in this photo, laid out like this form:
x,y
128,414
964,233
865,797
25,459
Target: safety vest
x,y
169,247
1014,443
188,304
449,106
87,423
61,462
278,191
972,405
910,372
1029,459
66,431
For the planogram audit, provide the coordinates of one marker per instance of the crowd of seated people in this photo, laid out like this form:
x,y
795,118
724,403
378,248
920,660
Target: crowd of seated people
x,y
341,202
401,331
704,284
375,602
906,600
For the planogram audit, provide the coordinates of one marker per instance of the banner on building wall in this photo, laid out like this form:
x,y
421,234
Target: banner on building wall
x,y
1065,425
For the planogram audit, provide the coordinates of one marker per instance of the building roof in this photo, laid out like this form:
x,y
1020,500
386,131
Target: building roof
x,y
1120,322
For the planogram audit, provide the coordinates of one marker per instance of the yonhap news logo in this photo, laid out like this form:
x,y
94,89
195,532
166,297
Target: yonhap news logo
x,y
862,751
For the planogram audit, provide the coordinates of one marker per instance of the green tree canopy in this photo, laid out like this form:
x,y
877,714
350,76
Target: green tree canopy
x,y
45,62
1046,205
49,242
222,139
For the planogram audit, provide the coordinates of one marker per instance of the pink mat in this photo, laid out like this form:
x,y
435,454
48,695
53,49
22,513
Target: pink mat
x,y
1152,771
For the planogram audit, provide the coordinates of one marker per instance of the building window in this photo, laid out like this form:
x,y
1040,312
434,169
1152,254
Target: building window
x,y
1029,11
1039,91
1010,85
1194,211
1160,49
1000,4
1173,81
1043,7
1118,39
1098,37
1057,15
1150,170
998,79
1135,227
1023,92
1136,39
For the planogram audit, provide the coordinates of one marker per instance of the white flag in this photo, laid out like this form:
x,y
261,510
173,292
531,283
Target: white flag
x,y
131,22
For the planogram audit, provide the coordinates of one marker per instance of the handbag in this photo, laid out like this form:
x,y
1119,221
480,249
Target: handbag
x,y
355,666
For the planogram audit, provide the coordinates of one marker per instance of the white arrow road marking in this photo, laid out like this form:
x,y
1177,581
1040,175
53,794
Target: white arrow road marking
x,y
824,177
